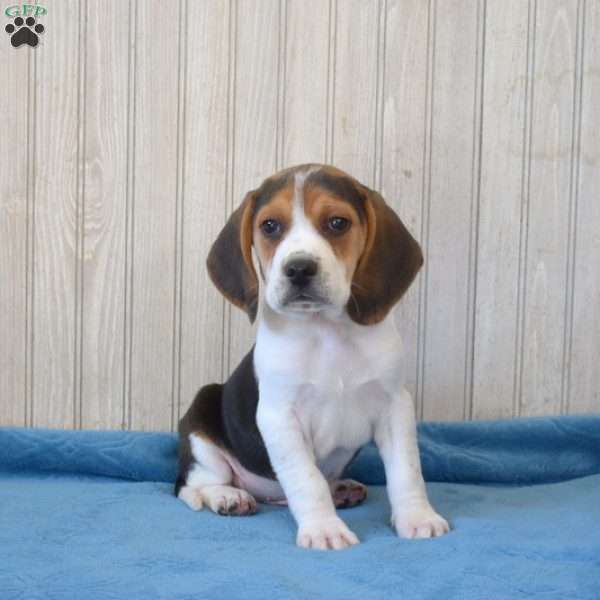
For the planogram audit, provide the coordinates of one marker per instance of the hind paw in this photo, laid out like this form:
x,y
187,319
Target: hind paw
x,y
347,493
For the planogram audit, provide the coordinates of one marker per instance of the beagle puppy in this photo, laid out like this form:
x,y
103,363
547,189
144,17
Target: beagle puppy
x,y
324,377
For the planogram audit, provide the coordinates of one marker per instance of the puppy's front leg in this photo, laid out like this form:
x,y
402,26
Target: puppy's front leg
x,y
396,437
307,492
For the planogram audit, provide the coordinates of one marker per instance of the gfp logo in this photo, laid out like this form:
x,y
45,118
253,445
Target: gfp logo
x,y
24,30
25,10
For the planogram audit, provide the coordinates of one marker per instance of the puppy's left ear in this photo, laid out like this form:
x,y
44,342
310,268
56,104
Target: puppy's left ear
x,y
391,260
229,261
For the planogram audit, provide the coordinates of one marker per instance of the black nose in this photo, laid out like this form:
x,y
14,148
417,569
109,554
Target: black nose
x,y
300,271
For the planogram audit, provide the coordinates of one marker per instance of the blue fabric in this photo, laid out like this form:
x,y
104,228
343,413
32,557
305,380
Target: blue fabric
x,y
88,515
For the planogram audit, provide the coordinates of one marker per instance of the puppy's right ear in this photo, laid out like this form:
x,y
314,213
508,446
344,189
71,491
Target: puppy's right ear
x,y
229,261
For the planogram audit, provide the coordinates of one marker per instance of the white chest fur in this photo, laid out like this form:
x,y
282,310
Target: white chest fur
x,y
333,373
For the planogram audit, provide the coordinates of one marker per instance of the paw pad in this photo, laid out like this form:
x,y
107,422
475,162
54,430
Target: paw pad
x,y
348,493
24,32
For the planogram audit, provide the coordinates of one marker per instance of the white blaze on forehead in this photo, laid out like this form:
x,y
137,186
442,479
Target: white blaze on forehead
x,y
303,237
298,201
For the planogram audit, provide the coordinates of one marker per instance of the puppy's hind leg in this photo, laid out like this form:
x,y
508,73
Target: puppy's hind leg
x,y
208,482
347,493
205,474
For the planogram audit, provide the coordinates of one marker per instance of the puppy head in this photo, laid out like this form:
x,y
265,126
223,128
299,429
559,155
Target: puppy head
x,y
324,242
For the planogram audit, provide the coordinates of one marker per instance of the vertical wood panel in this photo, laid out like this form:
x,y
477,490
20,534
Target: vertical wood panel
x,y
129,214
105,198
154,214
15,115
548,229
355,86
584,389
56,218
205,193
306,81
179,212
255,136
451,196
402,157
504,103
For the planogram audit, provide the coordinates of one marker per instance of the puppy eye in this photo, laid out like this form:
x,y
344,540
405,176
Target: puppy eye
x,y
338,224
271,227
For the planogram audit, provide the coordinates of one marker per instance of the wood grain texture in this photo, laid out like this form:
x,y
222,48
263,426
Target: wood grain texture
x,y
504,110
402,159
255,126
450,200
204,194
548,218
104,204
56,214
354,118
154,215
15,115
305,86
143,125
584,380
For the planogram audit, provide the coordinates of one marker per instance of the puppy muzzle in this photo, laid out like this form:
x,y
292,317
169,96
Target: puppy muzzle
x,y
302,274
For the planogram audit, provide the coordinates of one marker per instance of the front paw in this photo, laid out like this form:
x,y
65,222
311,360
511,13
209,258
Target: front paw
x,y
419,522
330,533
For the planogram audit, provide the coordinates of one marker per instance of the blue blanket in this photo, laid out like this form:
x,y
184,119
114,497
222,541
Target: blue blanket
x,y
88,515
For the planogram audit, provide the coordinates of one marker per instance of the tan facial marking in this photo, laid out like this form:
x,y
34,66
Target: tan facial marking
x,y
279,208
321,206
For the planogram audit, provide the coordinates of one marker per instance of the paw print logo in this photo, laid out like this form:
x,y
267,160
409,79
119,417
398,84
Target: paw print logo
x,y
24,32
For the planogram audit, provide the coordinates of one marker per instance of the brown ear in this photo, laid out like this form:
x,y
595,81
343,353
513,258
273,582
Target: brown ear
x,y
229,261
391,260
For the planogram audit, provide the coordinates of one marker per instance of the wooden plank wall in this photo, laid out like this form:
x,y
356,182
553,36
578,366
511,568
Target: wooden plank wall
x,y
134,128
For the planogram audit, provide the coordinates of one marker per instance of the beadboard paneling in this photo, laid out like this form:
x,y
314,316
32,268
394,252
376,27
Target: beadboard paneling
x,y
549,208
55,296
133,130
104,204
583,376
16,112
451,196
154,215
501,203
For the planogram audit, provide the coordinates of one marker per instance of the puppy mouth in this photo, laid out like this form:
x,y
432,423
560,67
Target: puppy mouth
x,y
303,300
